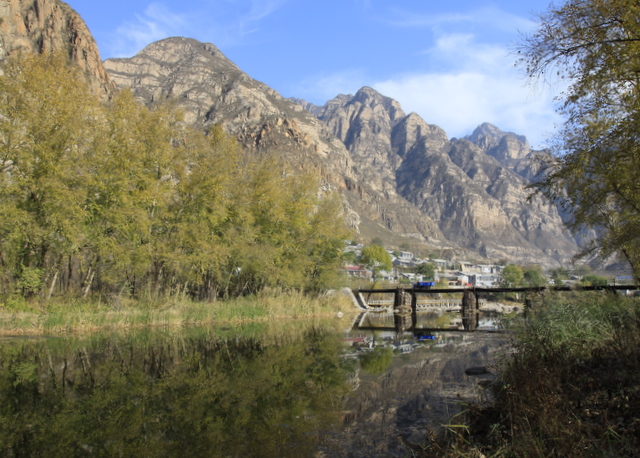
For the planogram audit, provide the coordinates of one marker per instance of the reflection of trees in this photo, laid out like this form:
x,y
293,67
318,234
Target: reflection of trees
x,y
377,361
194,397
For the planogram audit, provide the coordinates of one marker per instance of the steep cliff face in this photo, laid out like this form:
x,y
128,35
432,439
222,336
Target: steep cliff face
x,y
211,89
51,25
473,188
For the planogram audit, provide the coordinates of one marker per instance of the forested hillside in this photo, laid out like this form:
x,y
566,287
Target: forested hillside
x,y
119,197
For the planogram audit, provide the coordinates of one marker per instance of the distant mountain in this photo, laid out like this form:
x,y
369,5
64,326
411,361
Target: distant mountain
x,y
211,89
398,175
401,179
473,188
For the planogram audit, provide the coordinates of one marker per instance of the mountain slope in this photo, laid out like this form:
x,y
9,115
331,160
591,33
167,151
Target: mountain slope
x,y
211,89
396,172
474,188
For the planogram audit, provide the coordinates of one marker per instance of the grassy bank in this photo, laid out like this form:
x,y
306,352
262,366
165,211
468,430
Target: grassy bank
x,y
74,315
570,389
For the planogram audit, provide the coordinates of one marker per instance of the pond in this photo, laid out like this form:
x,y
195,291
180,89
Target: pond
x,y
356,386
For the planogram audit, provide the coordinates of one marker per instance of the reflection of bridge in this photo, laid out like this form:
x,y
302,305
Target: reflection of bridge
x,y
406,301
450,303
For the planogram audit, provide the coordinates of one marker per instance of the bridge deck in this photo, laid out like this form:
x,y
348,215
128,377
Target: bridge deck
x,y
499,290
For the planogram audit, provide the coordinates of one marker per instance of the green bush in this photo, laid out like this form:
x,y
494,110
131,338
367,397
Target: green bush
x,y
377,361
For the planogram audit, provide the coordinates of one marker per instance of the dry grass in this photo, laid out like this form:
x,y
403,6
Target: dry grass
x,y
571,388
64,316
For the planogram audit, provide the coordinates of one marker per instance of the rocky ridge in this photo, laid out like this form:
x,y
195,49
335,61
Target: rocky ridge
x,y
398,175
473,188
52,25
211,89
395,171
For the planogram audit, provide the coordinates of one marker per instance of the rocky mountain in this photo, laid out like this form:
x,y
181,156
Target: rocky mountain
x,y
212,89
400,177
51,25
397,174
473,188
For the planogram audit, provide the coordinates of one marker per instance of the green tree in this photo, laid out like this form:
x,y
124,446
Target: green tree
x,y
533,276
594,45
426,269
48,120
375,257
595,280
512,276
559,274
126,199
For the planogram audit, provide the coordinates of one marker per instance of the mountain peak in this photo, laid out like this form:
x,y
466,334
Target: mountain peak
x,y
487,136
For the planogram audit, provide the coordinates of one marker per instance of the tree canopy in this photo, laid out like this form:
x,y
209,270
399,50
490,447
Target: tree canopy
x,y
594,45
427,269
121,198
512,276
375,257
533,276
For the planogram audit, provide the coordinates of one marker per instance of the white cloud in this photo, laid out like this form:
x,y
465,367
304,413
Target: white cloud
x,y
491,17
321,88
221,21
156,23
473,83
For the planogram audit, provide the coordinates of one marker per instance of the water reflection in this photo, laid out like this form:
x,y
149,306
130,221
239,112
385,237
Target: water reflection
x,y
159,395
402,322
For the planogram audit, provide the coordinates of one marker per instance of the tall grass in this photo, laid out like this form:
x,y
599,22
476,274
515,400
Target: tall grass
x,y
570,388
70,315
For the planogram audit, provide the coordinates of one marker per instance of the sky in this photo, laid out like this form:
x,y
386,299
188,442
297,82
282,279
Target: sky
x,y
452,62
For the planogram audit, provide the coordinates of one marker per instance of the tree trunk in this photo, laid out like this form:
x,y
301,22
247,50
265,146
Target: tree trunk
x,y
53,284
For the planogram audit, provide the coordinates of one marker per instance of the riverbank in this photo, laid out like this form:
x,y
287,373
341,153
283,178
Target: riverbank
x,y
61,316
569,389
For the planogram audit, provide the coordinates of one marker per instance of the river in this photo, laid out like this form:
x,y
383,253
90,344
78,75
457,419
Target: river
x,y
352,386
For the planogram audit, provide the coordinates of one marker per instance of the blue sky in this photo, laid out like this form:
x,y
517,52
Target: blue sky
x,y
452,62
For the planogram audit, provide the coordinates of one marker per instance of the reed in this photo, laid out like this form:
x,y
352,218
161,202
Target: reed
x,y
570,387
74,315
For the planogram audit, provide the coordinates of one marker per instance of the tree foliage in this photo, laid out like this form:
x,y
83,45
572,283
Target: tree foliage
x,y
375,257
427,269
123,199
594,45
533,276
558,275
512,276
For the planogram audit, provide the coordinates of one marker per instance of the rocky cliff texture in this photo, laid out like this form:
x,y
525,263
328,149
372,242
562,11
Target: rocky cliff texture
x,y
473,188
51,25
398,175
211,89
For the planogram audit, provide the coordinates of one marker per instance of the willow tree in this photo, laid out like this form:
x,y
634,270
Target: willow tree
x,y
594,45
122,198
47,121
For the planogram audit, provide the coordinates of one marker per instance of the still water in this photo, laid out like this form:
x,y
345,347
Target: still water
x,y
358,386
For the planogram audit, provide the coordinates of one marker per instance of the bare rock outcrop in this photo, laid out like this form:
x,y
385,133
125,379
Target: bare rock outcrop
x,y
51,25
209,88
474,188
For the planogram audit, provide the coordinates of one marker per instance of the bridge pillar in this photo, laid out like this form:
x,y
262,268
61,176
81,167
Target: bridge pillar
x,y
469,310
402,298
